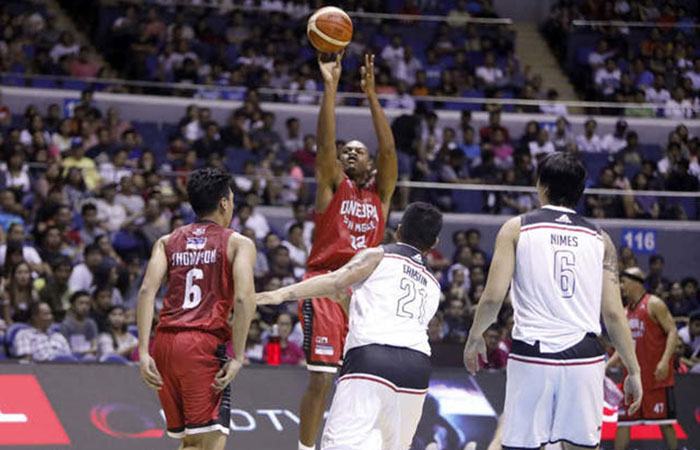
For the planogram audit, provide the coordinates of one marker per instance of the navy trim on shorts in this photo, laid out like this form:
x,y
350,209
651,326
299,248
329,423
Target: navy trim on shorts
x,y
404,367
588,347
224,415
307,312
505,447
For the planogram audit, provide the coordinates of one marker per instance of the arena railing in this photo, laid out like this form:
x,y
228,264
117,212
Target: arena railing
x,y
290,95
631,24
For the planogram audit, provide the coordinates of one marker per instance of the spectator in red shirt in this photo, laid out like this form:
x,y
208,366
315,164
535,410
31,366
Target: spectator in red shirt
x,y
495,355
488,131
306,157
290,353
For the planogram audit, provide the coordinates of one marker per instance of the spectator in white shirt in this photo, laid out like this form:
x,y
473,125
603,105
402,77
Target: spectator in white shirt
x,y
37,343
81,279
542,145
15,233
690,335
256,221
673,155
407,67
393,53
597,58
114,171
614,142
555,109
607,79
589,141
694,75
117,341
66,46
402,99
110,213
656,93
298,252
301,216
489,74
678,107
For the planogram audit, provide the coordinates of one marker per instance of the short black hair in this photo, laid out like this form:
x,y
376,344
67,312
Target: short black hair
x,y
564,176
77,294
420,225
88,207
61,261
689,280
93,248
655,258
205,188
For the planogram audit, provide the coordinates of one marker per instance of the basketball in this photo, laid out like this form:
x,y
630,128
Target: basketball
x,y
329,29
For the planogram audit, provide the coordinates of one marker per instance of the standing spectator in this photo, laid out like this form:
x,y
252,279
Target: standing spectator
x,y
117,341
496,357
290,353
80,330
37,343
82,276
407,67
598,57
607,80
66,46
614,142
393,53
589,141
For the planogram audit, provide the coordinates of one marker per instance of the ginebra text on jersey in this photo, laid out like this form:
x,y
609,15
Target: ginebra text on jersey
x,y
193,258
359,210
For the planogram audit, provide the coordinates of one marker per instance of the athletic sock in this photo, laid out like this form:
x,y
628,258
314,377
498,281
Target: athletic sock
x,y
304,447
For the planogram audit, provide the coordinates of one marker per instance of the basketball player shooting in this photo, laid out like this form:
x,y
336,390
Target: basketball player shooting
x,y
386,363
352,204
207,267
562,271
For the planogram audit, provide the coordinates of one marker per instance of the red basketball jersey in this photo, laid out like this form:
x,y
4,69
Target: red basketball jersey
x,y
352,221
649,343
200,280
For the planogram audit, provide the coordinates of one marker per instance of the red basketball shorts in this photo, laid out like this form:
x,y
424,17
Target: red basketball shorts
x,y
325,326
188,362
658,408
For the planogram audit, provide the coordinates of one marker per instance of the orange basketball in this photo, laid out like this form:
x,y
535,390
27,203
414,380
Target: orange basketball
x,y
329,29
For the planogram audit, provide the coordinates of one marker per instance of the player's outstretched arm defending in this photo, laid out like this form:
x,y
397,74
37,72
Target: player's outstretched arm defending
x,y
387,162
500,275
357,269
329,172
156,272
242,252
617,326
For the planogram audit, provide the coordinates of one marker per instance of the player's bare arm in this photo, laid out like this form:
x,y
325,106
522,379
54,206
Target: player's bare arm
x,y
387,162
242,251
156,273
497,284
617,326
357,269
660,313
329,172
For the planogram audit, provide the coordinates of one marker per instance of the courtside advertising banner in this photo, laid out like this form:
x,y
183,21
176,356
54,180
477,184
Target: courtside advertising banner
x,y
101,407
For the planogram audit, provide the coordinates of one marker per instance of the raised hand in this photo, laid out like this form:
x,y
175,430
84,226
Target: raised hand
x,y
367,75
331,70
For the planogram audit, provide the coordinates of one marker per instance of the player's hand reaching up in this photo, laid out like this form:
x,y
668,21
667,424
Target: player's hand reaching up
x,y
331,70
225,376
149,372
367,74
633,393
474,347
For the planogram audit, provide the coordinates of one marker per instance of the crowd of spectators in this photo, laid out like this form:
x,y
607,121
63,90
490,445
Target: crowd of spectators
x,y
653,64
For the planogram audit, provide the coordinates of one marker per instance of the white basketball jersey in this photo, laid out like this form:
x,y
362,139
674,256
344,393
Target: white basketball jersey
x,y
394,305
558,278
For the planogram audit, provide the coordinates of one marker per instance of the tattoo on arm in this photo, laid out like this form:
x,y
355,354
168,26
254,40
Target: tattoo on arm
x,y
610,261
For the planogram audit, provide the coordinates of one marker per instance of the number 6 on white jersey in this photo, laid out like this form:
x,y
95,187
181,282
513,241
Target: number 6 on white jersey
x,y
193,293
